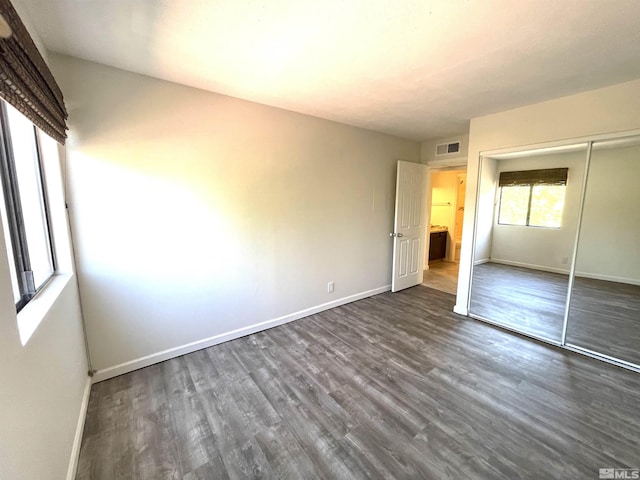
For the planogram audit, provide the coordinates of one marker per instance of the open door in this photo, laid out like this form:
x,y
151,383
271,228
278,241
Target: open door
x,y
409,226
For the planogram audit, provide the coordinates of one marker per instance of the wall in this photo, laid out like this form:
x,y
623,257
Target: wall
x,y
200,217
43,384
428,151
606,110
443,192
486,204
609,248
542,248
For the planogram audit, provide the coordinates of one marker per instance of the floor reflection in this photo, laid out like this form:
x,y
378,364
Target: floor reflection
x,y
531,301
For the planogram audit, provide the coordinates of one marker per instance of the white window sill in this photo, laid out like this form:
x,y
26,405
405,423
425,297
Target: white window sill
x,y
34,312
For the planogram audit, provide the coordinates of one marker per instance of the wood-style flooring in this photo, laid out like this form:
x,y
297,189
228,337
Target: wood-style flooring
x,y
442,275
393,386
531,301
604,316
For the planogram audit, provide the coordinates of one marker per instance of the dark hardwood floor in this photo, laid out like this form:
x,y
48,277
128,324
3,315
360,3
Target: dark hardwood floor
x,y
393,386
605,317
531,301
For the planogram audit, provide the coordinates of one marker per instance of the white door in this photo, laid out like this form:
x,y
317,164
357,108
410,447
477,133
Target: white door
x,y
409,226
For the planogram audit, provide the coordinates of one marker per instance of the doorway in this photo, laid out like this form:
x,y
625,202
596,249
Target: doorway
x,y
448,190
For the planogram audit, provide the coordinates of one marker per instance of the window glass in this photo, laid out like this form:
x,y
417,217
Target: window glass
x,y
514,204
543,209
31,195
547,202
10,250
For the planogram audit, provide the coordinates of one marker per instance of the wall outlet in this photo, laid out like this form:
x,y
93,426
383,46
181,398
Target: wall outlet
x,y
565,260
330,287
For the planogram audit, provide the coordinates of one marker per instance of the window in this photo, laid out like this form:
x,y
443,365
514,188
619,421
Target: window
x,y
533,198
25,216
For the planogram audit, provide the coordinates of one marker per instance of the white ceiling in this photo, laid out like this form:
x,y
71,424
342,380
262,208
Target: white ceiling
x,y
419,69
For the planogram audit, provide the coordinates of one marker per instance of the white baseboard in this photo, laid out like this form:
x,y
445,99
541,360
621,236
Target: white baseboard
x,y
595,276
532,266
609,278
481,261
147,360
77,439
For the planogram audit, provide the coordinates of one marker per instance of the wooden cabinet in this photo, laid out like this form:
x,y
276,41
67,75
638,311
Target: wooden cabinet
x,y
438,245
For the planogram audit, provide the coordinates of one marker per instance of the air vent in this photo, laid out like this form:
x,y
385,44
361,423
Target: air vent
x,y
447,148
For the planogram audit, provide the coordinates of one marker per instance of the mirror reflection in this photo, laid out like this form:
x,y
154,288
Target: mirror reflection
x,y
527,219
605,301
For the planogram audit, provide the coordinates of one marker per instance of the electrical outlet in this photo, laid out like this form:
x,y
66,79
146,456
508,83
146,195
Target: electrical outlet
x,y
565,260
330,287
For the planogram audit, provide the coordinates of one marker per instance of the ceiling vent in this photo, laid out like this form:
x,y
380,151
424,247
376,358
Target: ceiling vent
x,y
447,148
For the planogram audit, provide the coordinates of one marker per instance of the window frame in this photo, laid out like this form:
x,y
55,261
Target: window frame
x,y
14,212
529,202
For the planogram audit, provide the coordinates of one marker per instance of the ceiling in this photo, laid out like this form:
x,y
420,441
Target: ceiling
x,y
419,69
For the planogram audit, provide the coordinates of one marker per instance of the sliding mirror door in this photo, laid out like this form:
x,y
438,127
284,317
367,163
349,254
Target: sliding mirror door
x,y
604,313
527,219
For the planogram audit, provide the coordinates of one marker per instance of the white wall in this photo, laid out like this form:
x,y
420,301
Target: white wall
x,y
198,215
542,248
42,388
428,151
486,202
43,383
609,246
606,110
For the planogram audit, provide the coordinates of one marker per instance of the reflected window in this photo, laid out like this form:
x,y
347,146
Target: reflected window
x,y
533,198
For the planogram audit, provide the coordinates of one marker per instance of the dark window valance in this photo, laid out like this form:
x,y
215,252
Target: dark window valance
x,y
26,81
548,176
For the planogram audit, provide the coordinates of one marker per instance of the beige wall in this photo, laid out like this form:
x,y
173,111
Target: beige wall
x,y
199,217
606,110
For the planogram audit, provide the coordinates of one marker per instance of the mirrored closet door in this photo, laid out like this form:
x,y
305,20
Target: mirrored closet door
x,y
556,251
604,313
526,226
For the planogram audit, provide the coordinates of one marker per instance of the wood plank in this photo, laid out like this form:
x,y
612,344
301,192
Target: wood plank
x,y
393,386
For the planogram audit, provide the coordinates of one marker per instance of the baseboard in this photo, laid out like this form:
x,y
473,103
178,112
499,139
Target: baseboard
x,y
595,276
481,261
609,278
77,440
147,360
532,266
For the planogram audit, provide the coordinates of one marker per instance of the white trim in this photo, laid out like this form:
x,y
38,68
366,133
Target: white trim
x,y
602,357
77,440
595,276
481,261
609,278
147,360
460,310
453,163
30,317
560,143
532,266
